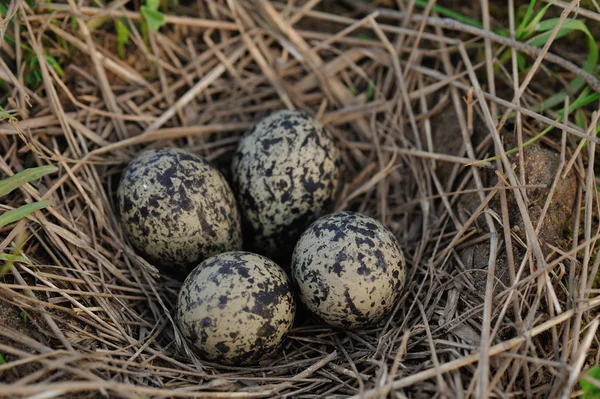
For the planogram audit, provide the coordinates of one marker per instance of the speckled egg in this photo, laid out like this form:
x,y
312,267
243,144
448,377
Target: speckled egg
x,y
286,174
176,210
349,269
236,308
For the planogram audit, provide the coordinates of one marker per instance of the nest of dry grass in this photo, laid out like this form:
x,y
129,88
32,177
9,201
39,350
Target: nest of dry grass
x,y
502,254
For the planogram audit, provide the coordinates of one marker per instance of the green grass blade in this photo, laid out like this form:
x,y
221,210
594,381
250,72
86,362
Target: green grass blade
x,y
13,258
153,4
3,361
122,37
525,144
154,19
588,387
539,40
531,26
525,21
446,12
28,175
589,66
15,255
23,315
548,25
370,91
4,114
9,39
54,64
584,99
580,119
364,36
21,212
515,149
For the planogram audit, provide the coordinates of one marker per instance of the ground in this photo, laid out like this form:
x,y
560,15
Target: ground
x,y
18,322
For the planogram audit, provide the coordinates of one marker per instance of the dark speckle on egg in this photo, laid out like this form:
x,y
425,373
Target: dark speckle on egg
x,y
176,209
349,269
286,174
236,308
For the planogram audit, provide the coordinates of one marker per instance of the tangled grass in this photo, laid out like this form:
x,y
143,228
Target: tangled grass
x,y
501,246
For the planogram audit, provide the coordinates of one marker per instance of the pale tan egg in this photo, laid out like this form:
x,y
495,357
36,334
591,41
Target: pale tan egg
x,y
176,210
286,174
236,308
349,269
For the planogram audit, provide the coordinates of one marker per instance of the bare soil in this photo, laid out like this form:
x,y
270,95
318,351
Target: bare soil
x,y
18,322
541,165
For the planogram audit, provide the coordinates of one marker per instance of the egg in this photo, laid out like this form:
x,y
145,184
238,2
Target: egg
x,y
176,210
286,173
349,269
236,308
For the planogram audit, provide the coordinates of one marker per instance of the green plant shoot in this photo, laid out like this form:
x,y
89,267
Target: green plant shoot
x,y
10,184
122,37
153,17
590,390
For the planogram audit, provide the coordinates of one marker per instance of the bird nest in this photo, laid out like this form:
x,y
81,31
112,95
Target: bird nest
x,y
440,141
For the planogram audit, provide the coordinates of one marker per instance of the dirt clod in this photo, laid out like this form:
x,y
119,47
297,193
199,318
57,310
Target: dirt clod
x,y
541,166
